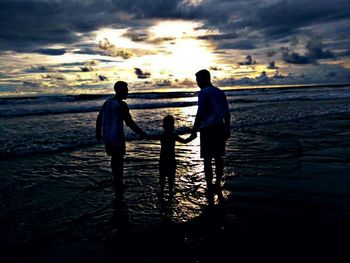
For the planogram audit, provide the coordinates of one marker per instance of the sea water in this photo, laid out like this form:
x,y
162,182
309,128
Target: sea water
x,y
56,179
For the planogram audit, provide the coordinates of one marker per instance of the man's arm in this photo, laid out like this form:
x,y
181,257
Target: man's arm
x,y
130,122
180,139
190,138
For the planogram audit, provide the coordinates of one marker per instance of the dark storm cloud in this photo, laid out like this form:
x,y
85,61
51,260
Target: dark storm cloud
x,y
285,17
272,17
275,21
295,58
314,50
35,24
32,23
28,24
151,8
345,53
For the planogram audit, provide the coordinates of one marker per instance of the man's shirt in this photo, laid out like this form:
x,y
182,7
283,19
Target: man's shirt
x,y
212,107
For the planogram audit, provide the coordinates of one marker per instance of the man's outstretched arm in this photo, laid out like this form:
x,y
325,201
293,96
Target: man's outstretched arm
x,y
130,122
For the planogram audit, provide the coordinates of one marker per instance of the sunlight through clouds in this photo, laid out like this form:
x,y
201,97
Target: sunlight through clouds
x,y
183,53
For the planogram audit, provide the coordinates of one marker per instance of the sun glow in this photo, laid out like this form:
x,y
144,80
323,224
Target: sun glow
x,y
175,29
169,50
181,53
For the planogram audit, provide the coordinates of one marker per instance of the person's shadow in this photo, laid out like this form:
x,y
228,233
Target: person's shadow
x,y
118,243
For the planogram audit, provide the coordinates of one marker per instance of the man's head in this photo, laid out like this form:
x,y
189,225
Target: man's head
x,y
121,89
203,78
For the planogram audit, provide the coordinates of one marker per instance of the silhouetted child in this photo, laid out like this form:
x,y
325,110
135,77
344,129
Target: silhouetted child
x,y
167,162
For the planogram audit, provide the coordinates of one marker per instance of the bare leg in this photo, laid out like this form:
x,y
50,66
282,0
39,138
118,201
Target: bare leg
x,y
117,166
162,183
219,170
171,182
208,172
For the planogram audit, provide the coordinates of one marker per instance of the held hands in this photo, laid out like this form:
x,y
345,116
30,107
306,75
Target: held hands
x,y
144,135
191,137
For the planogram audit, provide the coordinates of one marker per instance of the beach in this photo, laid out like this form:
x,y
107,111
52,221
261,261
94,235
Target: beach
x,y
286,184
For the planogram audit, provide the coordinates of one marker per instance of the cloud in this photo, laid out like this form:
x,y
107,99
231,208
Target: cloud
x,y
137,35
163,83
248,61
221,36
312,74
31,84
295,58
314,50
86,69
36,69
51,51
261,27
143,35
244,44
32,24
215,68
343,53
271,53
102,77
272,65
142,74
54,76
111,50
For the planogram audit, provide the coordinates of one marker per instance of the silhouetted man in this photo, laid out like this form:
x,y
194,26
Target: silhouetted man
x,y
109,128
213,123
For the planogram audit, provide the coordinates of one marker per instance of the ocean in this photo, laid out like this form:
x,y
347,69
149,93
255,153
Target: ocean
x,y
56,181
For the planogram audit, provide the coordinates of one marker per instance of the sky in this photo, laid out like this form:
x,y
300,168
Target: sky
x,y
84,46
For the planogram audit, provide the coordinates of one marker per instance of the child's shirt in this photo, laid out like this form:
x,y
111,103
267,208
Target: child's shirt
x,y
167,151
